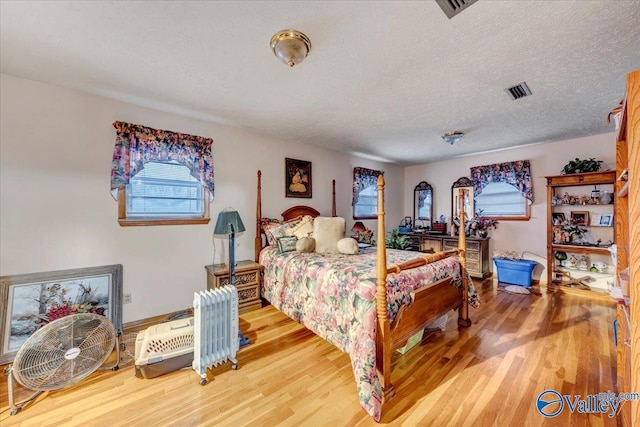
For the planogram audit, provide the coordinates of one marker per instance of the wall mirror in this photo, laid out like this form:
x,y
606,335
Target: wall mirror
x,y
463,183
423,205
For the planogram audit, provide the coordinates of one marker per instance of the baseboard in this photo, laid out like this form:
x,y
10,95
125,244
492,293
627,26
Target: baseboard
x,y
142,324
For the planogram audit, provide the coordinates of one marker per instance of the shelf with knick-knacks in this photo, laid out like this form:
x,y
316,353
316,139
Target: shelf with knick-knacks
x,y
583,271
580,231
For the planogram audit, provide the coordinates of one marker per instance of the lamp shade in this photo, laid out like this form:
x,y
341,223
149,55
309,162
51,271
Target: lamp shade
x,y
358,226
225,220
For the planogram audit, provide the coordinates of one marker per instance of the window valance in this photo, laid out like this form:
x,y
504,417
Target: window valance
x,y
363,178
516,173
136,145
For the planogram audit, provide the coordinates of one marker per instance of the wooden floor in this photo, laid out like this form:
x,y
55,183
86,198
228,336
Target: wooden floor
x,y
487,375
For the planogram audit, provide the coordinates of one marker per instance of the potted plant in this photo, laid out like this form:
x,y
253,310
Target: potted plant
x,y
481,225
396,241
581,166
575,233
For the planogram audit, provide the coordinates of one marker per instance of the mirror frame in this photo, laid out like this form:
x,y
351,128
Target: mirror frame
x,y
422,186
465,184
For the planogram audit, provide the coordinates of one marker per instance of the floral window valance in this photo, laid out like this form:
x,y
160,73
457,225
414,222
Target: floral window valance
x,y
137,145
516,173
363,178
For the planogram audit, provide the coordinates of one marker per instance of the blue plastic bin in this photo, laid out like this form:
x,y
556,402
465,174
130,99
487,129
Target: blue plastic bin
x,y
515,272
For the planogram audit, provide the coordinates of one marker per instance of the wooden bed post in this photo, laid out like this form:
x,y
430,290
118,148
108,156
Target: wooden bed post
x,y
333,199
258,240
463,313
383,345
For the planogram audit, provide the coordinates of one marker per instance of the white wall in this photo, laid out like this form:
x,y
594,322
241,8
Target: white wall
x,y
56,211
546,159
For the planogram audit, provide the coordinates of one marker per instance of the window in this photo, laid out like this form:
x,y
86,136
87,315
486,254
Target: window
x,y
164,192
502,200
161,177
503,190
367,204
365,193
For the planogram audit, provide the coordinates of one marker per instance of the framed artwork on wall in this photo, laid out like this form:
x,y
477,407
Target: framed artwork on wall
x,y
297,178
29,301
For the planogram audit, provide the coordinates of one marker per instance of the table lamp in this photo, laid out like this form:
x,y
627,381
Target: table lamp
x,y
229,222
358,228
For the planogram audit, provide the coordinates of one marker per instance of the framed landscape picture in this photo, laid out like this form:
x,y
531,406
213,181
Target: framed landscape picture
x,y
29,301
297,175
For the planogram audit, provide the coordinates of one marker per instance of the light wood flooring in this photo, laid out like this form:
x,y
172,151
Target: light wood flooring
x,y
487,375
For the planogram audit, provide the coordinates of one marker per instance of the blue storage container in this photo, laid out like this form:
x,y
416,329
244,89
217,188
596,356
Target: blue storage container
x,y
515,272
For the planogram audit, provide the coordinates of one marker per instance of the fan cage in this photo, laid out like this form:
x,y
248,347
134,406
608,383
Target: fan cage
x,y
40,364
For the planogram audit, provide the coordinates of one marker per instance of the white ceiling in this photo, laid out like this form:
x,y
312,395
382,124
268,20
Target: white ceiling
x,y
384,79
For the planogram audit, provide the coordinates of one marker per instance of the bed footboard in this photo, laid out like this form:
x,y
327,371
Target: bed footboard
x,y
427,303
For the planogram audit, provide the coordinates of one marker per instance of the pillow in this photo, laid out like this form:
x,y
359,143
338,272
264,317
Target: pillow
x,y
306,244
348,246
287,244
274,230
267,223
303,229
328,231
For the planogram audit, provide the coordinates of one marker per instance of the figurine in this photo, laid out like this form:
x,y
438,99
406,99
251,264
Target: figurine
x,y
583,264
573,261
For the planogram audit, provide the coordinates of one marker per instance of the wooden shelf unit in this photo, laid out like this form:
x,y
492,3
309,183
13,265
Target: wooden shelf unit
x,y
556,182
627,218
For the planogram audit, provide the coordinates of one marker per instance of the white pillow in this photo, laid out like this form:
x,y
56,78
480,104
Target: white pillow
x,y
348,246
327,231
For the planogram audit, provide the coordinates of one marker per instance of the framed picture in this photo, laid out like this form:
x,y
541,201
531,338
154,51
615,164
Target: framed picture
x,y
605,220
29,301
558,218
580,218
297,178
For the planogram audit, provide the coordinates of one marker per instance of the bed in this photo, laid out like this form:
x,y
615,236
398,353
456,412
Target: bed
x,y
369,304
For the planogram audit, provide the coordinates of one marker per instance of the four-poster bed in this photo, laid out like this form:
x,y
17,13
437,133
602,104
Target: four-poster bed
x,y
368,304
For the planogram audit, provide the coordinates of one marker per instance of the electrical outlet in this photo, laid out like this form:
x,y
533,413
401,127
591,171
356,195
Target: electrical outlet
x,y
126,298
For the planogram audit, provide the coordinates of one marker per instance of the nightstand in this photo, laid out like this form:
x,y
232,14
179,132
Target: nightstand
x,y
247,282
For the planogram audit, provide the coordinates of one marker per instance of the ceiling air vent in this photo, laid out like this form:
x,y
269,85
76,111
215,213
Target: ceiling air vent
x,y
453,7
518,91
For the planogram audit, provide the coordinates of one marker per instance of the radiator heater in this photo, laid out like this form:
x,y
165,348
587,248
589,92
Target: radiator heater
x,y
215,314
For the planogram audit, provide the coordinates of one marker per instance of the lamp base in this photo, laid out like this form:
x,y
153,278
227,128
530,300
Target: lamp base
x,y
242,340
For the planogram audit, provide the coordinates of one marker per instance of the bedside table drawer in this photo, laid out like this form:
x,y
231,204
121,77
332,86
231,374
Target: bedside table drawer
x,y
247,282
245,278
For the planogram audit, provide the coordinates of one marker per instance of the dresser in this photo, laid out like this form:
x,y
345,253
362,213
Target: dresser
x,y
478,261
247,274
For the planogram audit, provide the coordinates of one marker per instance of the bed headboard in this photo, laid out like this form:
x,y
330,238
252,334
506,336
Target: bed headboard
x,y
292,212
296,211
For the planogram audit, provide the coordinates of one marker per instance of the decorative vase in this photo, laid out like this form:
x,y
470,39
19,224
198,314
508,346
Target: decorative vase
x,y
483,234
606,197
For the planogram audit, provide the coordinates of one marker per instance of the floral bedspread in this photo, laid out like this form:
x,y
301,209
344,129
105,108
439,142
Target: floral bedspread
x,y
334,296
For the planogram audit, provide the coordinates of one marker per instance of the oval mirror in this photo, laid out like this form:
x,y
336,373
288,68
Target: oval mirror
x,y
423,205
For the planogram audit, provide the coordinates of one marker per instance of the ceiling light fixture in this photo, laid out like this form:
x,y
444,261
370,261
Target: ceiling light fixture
x,y
452,137
290,46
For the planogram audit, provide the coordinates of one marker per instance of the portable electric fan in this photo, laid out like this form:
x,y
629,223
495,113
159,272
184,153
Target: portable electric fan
x,y
60,354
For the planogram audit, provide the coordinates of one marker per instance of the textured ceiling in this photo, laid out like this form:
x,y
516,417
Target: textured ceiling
x,y
384,79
